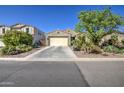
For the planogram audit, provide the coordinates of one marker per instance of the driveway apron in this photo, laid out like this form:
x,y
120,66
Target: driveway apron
x,y
56,52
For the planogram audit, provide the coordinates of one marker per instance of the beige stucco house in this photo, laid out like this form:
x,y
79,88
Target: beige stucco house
x,y
60,37
38,36
119,34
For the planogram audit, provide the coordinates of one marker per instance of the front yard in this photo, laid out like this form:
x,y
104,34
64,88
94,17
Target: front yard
x,y
18,44
80,54
21,55
99,35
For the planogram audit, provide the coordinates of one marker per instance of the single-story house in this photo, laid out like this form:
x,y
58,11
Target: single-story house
x,y
108,36
119,34
60,37
38,36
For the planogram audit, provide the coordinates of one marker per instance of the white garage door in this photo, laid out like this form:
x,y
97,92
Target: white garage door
x,y
59,41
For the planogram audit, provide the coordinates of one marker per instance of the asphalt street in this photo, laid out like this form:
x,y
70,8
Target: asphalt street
x,y
61,74
41,74
103,73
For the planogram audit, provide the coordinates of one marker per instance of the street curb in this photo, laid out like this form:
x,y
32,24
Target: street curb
x,y
76,59
63,59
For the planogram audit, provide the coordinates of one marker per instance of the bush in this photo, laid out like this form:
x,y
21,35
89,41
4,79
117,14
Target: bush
x,y
9,50
114,39
15,38
16,42
23,48
87,47
122,41
112,49
13,50
78,42
96,49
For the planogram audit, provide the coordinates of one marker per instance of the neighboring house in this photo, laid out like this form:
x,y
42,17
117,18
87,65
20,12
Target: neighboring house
x,y
38,36
107,37
60,37
3,29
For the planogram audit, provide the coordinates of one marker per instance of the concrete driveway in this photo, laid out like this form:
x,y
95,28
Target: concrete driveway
x,y
55,52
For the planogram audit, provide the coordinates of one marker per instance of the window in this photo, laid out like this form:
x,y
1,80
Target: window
x,y
3,30
27,30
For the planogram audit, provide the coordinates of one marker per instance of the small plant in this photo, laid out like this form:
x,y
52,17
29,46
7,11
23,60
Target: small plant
x,y
96,49
114,39
13,50
78,42
122,41
112,49
9,50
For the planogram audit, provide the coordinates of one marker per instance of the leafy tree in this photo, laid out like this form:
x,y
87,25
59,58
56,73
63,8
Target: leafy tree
x,y
97,23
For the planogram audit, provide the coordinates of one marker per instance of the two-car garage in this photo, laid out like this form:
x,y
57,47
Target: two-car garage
x,y
58,41
58,38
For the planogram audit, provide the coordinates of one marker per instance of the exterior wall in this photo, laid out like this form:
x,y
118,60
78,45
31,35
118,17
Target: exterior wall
x,y
1,29
57,34
31,29
107,37
38,36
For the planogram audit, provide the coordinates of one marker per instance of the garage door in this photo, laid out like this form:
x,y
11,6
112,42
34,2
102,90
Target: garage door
x,y
57,41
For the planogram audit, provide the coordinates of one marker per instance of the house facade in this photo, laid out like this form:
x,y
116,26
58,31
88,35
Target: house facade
x,y
38,36
108,37
60,37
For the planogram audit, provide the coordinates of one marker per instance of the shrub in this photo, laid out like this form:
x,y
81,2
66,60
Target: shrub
x,y
15,38
122,41
87,47
77,43
16,42
112,41
96,49
112,49
13,50
82,42
9,50
23,48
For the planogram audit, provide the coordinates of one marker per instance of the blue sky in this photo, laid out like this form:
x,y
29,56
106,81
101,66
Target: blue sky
x,y
48,18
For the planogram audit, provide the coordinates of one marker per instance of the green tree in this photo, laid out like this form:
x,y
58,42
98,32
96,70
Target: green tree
x,y
97,23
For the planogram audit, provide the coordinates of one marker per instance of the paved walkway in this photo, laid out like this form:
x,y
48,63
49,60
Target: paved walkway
x,y
55,52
